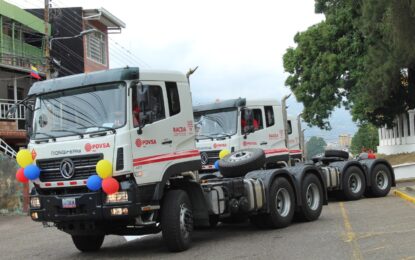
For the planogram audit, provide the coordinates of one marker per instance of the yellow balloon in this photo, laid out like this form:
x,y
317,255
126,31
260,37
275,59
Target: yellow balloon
x,y
104,169
24,158
223,153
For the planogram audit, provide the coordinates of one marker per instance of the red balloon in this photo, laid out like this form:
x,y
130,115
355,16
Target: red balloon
x,y
20,176
110,185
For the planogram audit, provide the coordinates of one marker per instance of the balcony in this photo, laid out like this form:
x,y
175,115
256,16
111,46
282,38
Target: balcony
x,y
12,127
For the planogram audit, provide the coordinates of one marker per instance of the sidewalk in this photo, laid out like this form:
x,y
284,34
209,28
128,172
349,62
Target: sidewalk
x,y
406,191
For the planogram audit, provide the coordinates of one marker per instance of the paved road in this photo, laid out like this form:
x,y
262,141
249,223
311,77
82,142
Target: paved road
x,y
366,229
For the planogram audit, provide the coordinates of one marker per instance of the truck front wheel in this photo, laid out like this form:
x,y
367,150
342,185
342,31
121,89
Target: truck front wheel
x,y
282,204
353,183
176,220
312,198
89,243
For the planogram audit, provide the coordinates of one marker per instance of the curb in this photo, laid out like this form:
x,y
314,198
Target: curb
x,y
404,196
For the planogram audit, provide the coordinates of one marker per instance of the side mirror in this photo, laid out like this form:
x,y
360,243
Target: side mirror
x,y
247,121
12,111
29,121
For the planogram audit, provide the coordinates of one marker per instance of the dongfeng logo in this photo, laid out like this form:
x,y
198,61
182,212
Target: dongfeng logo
x,y
67,168
204,158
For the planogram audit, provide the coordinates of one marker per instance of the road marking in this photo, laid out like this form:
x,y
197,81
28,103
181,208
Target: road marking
x,y
404,196
350,235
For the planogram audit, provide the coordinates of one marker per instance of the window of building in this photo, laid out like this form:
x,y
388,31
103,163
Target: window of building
x,y
173,98
269,116
148,104
96,47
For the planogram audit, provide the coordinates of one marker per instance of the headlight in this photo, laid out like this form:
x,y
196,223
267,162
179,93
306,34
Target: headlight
x,y
117,197
35,202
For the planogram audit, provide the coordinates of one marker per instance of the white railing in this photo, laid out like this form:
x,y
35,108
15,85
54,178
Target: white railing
x,y
401,137
6,104
6,149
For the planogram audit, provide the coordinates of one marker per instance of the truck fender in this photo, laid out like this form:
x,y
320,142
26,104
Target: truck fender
x,y
343,165
370,164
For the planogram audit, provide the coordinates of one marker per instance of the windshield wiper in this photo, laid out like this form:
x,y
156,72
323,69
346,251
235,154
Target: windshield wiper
x,y
68,131
48,135
112,129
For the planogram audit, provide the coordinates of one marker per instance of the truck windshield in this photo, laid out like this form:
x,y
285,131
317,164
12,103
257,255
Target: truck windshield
x,y
216,123
80,111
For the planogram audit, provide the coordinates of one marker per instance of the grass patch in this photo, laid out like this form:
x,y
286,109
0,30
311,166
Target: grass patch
x,y
396,159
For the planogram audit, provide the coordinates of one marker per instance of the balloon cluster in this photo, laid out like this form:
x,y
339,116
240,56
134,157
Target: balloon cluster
x,y
222,154
28,171
103,179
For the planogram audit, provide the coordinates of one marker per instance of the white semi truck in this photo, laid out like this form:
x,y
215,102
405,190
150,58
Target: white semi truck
x,y
142,122
224,125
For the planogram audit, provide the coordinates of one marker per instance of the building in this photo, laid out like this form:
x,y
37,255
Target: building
x,y
401,137
87,53
21,46
345,140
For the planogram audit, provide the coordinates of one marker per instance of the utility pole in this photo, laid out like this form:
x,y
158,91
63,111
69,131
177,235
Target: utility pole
x,y
47,51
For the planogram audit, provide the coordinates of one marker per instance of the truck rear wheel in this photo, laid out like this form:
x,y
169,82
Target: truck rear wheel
x,y
381,181
177,220
282,204
353,183
239,163
89,243
312,198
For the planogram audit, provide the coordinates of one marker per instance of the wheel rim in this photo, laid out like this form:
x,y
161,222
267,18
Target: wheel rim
x,y
239,156
313,196
186,221
382,180
283,202
355,183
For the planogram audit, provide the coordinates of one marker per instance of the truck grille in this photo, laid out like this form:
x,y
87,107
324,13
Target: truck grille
x,y
84,167
213,156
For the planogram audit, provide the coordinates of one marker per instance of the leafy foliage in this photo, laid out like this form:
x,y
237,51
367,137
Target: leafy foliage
x,y
360,56
315,146
366,138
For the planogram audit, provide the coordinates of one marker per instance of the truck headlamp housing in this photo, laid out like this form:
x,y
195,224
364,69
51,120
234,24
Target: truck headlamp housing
x,y
35,202
117,197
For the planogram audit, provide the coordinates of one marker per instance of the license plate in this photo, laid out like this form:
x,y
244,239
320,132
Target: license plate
x,y
69,203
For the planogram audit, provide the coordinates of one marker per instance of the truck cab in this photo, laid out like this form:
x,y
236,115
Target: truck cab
x,y
238,124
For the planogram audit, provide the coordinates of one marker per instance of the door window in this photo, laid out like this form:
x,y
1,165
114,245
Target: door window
x,y
269,116
148,105
258,122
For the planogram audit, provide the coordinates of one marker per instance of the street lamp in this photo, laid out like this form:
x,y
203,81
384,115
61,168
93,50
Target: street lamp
x,y
71,37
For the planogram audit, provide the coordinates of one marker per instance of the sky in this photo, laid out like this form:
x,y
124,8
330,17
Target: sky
x,y
238,45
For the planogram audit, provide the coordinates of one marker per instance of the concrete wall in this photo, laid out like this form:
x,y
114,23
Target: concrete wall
x,y
12,193
404,171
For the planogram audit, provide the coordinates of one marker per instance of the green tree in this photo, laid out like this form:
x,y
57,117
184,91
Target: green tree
x,y
365,138
315,146
360,56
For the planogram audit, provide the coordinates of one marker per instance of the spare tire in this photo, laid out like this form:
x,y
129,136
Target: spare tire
x,y
336,153
239,163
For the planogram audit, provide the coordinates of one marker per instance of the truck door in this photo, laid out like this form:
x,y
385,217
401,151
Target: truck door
x,y
274,128
151,134
256,138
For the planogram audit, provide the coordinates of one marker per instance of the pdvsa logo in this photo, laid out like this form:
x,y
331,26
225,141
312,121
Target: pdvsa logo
x,y
246,143
178,131
93,147
141,143
219,146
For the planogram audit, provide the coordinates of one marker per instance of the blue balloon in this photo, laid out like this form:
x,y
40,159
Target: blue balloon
x,y
31,172
94,182
217,165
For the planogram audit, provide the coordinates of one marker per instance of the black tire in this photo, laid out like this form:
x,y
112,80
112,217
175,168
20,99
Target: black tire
x,y
336,153
312,198
89,243
176,220
353,183
381,181
282,204
239,163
